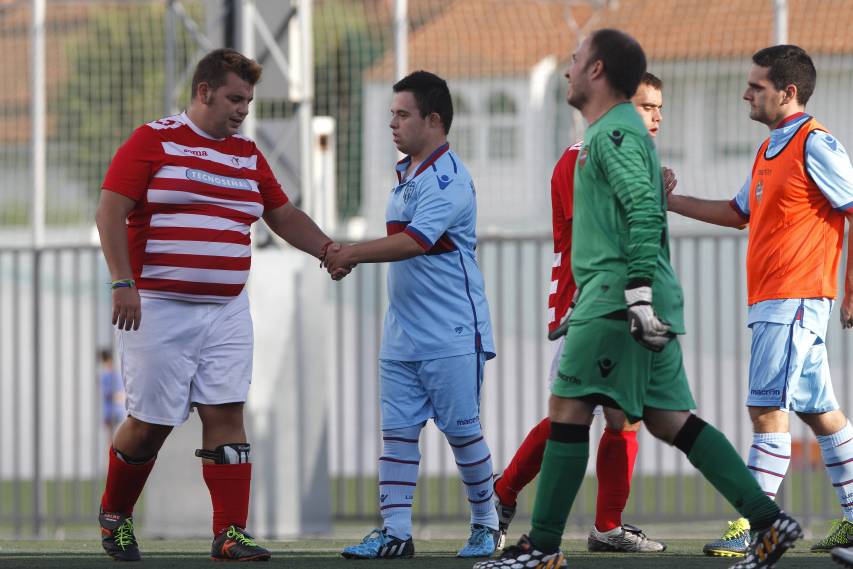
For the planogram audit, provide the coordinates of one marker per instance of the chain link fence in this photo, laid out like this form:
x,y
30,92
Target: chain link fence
x,y
113,64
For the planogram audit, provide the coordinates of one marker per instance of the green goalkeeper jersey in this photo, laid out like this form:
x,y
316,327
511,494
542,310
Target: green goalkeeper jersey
x,y
619,228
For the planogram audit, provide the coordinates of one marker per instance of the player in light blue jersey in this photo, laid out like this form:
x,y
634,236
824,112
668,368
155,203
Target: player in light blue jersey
x,y
437,334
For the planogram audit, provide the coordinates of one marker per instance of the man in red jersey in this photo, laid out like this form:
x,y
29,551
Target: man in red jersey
x,y
174,218
617,450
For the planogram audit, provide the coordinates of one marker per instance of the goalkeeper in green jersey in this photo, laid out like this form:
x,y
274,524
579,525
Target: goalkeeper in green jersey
x,y
622,346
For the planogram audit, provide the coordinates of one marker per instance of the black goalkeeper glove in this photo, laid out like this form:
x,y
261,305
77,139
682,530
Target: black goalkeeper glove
x,y
647,329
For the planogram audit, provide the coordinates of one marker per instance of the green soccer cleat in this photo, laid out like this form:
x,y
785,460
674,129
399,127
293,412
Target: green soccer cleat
x,y
234,544
733,543
840,535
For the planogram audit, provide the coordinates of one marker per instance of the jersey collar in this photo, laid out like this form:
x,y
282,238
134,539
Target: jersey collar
x,y
790,119
185,118
403,164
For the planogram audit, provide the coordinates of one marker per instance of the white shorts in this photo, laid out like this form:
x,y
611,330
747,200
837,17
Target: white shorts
x,y
555,367
186,353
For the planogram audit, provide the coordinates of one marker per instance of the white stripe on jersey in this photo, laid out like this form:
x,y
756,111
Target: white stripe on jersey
x,y
202,153
553,287
217,276
196,175
194,221
558,259
211,248
148,293
552,314
174,197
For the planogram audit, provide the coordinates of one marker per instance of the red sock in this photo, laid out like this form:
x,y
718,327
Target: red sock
x,y
124,484
229,493
525,465
617,453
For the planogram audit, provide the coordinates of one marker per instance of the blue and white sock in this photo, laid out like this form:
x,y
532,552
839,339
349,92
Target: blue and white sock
x,y
837,451
475,467
769,458
398,475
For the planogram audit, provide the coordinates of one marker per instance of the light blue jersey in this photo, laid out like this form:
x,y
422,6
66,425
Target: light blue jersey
x,y
437,303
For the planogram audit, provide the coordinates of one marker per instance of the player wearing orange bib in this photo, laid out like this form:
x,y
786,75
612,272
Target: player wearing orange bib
x,y
795,201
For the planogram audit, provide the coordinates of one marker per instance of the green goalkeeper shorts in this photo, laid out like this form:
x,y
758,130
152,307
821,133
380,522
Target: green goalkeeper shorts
x,y
601,358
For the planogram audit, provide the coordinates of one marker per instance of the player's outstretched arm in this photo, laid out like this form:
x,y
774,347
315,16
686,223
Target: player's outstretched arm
x,y
294,226
397,247
718,212
111,219
847,300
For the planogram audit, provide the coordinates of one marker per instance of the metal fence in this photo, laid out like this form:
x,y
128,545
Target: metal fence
x,y
54,315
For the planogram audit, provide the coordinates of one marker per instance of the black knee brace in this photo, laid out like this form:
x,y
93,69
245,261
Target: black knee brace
x,y
232,453
688,434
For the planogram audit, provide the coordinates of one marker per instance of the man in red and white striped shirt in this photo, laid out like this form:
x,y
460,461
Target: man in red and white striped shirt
x,y
617,450
179,198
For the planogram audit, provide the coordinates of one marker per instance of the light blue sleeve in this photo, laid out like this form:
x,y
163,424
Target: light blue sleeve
x,y
741,200
439,205
828,163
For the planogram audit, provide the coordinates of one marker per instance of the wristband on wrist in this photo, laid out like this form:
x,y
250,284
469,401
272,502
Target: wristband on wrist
x,y
122,283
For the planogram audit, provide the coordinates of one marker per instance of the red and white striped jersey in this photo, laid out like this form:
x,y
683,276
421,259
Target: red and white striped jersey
x,y
196,198
562,193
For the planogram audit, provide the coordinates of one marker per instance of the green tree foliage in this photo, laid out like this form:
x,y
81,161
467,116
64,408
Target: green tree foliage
x,y
115,83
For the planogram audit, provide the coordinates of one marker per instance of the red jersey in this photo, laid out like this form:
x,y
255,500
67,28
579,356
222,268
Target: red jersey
x,y
196,198
562,193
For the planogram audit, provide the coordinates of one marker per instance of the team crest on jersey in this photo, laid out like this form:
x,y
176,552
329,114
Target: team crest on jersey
x,y
582,158
408,191
616,136
759,188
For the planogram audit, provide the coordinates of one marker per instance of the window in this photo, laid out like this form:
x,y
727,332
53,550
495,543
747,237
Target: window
x,y
503,130
461,135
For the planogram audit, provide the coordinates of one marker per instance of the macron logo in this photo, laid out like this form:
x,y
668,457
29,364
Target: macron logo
x,y
443,181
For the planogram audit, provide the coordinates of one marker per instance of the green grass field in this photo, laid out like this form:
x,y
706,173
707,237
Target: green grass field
x,y
324,553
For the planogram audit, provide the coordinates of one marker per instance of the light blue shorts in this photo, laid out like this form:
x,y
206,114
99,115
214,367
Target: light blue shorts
x,y
446,390
789,369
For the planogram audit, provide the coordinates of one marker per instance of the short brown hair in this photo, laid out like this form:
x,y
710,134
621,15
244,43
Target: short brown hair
x,y
215,66
788,65
652,81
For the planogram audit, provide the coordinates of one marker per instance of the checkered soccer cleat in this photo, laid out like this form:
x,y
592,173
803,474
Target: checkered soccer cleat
x,y
117,536
769,545
379,545
626,538
843,556
234,544
734,542
483,542
840,535
524,556
505,515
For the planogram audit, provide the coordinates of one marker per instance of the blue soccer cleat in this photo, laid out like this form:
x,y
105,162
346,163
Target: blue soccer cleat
x,y
379,545
767,546
482,543
733,543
